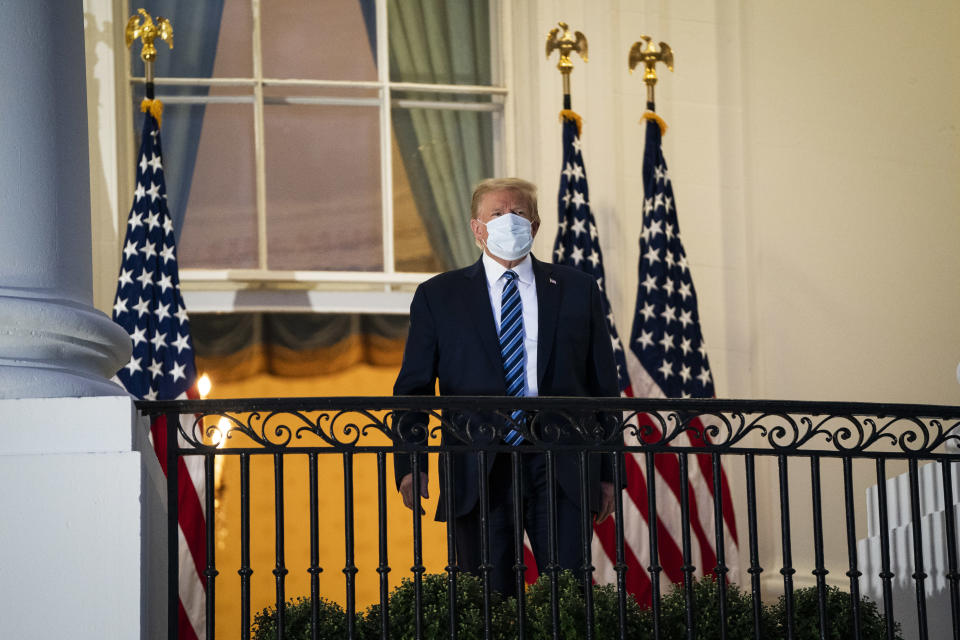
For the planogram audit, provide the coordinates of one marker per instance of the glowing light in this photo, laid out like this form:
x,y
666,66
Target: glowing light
x,y
203,386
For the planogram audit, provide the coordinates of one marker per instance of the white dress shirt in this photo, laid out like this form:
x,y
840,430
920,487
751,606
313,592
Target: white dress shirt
x,y
527,287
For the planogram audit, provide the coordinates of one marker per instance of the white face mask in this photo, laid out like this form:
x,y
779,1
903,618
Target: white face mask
x,y
509,236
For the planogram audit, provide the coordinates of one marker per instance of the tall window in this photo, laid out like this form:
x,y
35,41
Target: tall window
x,y
325,142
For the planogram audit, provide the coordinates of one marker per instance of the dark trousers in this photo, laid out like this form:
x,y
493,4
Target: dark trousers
x,y
536,515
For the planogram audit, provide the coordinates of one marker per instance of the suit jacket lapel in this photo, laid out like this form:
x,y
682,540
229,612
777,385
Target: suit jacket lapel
x,y
548,300
477,300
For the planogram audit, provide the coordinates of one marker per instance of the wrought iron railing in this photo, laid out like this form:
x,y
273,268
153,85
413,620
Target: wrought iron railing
x,y
720,429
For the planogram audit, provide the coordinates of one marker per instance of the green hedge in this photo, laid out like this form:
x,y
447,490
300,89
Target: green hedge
x,y
297,616
573,611
539,623
806,618
436,611
673,613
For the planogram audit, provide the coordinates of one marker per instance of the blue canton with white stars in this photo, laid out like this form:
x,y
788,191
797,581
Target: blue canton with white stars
x,y
666,335
148,304
577,244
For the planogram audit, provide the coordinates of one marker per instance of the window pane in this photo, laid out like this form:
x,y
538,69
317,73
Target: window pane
x,y
323,188
329,40
220,225
444,154
412,249
235,43
321,144
210,39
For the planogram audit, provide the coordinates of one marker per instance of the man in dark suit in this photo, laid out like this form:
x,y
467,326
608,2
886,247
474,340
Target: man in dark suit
x,y
509,325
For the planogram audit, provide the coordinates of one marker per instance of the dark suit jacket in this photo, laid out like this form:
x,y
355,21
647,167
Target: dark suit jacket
x,y
453,339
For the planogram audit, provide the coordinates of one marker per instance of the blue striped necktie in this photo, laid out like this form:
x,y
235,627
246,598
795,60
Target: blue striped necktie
x,y
511,348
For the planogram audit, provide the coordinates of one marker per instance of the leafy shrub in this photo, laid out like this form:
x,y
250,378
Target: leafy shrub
x,y
539,623
469,613
436,610
673,613
806,618
297,621
573,611
773,619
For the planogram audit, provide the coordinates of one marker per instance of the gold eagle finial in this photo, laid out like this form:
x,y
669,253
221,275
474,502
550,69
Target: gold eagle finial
x,y
650,55
147,31
561,38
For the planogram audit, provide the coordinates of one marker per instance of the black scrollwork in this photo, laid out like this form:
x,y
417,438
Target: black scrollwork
x,y
634,424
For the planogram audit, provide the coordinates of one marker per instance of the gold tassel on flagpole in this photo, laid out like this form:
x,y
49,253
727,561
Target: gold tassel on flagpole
x,y
154,107
650,115
570,114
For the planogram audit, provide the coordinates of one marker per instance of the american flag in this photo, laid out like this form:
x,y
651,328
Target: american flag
x,y
149,306
577,245
577,238
667,358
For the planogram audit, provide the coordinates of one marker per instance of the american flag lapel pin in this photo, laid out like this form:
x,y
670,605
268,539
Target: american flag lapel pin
x,y
552,281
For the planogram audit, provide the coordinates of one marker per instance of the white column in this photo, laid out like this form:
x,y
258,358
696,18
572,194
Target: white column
x,y
53,343
84,496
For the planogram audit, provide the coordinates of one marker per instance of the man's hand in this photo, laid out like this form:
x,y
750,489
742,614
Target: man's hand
x,y
406,490
606,501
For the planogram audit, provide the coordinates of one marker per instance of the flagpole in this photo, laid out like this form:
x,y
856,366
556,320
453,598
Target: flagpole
x,y
650,54
144,28
561,38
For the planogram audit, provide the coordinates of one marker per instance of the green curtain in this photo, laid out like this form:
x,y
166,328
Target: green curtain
x,y
445,153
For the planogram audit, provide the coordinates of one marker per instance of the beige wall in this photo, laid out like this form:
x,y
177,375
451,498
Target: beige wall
x,y
853,205
814,152
851,171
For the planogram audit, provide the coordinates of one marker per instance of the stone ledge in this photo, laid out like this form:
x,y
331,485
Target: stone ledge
x,y
43,426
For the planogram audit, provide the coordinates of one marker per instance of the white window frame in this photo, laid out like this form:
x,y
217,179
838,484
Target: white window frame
x,y
261,289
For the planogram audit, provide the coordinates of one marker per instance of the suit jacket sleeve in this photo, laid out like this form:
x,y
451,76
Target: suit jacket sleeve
x,y
417,377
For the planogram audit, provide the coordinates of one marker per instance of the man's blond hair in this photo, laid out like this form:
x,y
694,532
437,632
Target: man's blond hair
x,y
526,189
